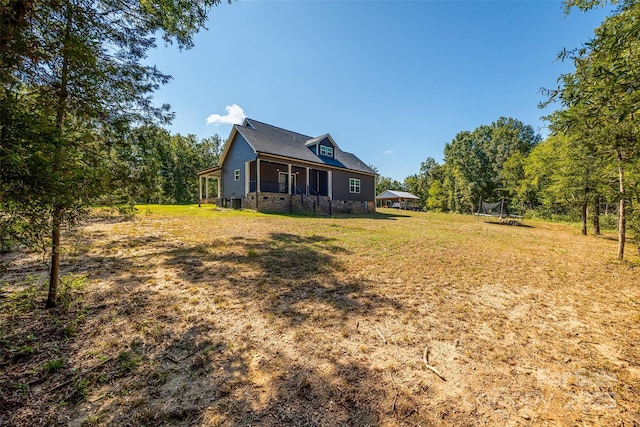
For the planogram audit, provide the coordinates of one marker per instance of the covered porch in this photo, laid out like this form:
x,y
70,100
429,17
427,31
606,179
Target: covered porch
x,y
205,177
273,176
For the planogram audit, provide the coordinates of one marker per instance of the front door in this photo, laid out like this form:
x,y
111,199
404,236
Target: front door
x,y
292,183
282,180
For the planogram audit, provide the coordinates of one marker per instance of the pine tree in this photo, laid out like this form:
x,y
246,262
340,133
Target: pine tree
x,y
73,86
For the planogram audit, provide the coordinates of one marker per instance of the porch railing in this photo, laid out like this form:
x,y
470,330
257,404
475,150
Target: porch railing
x,y
277,187
313,192
268,187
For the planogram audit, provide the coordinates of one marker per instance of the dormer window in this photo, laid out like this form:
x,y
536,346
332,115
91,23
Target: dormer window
x,y
322,146
326,151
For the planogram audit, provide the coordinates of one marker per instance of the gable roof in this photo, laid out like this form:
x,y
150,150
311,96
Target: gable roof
x,y
314,141
268,139
393,194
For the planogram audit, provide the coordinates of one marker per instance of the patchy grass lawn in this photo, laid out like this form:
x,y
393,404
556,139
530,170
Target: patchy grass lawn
x,y
200,316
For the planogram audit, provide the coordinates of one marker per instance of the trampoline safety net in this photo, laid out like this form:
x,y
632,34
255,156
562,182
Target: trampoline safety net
x,y
493,209
499,210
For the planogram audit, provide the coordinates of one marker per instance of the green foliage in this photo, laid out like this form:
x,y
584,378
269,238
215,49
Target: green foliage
x,y
70,298
419,184
437,197
512,177
384,183
182,158
73,84
161,168
601,103
82,388
53,366
22,388
563,173
27,299
128,361
475,163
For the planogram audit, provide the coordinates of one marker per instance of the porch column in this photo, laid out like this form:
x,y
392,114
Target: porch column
x,y
330,184
219,184
257,177
307,188
290,180
247,175
200,186
206,187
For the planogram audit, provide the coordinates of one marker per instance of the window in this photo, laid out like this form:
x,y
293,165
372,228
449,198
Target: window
x,y
354,185
326,151
236,175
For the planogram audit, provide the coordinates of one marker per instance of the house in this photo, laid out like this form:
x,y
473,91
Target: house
x,y
269,169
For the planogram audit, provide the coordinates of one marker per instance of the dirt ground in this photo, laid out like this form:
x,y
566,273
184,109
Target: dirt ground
x,y
218,318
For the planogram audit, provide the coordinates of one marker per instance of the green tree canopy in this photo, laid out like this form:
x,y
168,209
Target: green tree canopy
x,y
73,84
474,161
601,101
419,183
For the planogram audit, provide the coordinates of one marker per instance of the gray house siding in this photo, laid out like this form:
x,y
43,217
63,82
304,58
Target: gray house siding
x,y
341,186
239,152
282,152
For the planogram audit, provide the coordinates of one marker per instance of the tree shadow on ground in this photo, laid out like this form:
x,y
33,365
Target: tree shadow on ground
x,y
509,224
199,379
135,348
345,216
286,275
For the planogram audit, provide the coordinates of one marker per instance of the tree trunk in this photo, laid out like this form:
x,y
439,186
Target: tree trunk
x,y
622,218
596,217
584,218
54,275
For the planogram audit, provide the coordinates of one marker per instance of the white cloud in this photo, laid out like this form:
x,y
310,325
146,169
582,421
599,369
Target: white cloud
x,y
235,115
388,152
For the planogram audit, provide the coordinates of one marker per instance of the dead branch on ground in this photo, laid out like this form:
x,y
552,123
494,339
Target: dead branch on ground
x,y
425,359
395,397
384,340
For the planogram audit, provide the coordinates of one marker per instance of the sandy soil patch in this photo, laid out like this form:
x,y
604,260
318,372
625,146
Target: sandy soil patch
x,y
226,318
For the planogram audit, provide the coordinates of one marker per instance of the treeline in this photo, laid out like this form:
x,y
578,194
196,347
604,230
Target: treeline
x,y
565,176
483,164
589,164
161,168
507,159
145,164
75,94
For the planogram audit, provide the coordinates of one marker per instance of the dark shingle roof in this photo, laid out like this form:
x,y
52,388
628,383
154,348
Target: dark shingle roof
x,y
268,139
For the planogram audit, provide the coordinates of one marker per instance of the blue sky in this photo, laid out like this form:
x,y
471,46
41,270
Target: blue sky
x,y
392,82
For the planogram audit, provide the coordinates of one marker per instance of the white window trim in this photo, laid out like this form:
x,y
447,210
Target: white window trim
x,y
325,150
354,185
236,175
